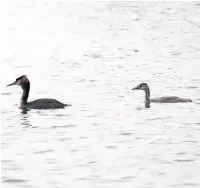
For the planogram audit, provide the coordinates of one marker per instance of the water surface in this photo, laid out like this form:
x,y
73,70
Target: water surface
x,y
90,54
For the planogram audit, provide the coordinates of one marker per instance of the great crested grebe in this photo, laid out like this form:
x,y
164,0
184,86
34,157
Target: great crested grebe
x,y
167,99
44,103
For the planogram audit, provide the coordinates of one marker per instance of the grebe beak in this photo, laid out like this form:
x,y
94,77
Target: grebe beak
x,y
135,88
12,84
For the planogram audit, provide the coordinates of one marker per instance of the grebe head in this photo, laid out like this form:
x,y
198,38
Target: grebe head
x,y
22,80
145,88
142,86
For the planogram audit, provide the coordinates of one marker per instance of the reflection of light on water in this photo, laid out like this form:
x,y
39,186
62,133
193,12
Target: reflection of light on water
x,y
138,108
141,108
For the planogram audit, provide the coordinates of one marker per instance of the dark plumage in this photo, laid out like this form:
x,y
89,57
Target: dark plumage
x,y
44,103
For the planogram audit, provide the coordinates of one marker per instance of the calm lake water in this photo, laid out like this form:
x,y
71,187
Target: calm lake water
x,y
90,55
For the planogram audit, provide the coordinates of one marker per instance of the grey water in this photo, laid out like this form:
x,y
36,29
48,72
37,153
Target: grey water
x,y
90,55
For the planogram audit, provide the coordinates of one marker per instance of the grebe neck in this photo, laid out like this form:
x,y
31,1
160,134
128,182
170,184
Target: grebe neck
x,y
147,95
25,94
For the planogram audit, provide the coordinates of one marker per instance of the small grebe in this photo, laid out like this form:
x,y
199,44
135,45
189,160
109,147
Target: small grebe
x,y
167,99
36,104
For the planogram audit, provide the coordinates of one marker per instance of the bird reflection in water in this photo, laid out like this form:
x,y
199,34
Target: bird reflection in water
x,y
25,118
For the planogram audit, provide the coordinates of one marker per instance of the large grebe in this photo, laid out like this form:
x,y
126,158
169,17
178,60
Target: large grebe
x,y
44,103
167,99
